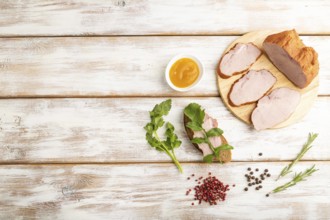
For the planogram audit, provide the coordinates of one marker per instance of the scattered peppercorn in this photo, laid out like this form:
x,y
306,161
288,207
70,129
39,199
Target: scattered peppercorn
x,y
255,180
260,154
267,195
209,190
246,189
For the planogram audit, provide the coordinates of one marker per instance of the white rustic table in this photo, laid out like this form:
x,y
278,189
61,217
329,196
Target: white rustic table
x,y
78,77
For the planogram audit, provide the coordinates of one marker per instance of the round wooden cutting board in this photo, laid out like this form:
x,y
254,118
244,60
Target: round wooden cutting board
x,y
309,94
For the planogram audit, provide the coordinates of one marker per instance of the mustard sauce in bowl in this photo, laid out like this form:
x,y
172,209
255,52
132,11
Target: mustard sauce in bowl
x,y
184,72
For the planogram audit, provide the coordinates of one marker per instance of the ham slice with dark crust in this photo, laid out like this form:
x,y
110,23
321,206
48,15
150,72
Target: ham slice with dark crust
x,y
290,55
251,87
238,59
275,108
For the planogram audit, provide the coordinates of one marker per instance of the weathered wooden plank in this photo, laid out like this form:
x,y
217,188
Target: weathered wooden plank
x,y
111,130
115,66
147,17
155,191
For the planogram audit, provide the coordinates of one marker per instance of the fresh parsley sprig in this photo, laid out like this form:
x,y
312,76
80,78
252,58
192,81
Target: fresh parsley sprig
x,y
305,148
297,178
196,115
157,121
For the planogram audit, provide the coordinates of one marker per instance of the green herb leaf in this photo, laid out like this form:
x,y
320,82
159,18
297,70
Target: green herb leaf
x,y
305,148
198,140
296,179
171,138
149,128
194,112
196,115
214,132
223,147
157,121
208,158
162,108
194,126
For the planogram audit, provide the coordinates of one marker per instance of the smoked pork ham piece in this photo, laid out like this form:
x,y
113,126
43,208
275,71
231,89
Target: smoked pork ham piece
x,y
238,59
290,55
251,87
275,108
209,123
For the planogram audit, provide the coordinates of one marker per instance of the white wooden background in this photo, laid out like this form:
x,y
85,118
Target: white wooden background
x,y
77,79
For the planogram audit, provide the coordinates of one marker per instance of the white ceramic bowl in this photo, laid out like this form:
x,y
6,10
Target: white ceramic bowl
x,y
172,61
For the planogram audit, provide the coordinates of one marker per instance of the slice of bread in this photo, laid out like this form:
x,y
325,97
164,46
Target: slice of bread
x,y
225,155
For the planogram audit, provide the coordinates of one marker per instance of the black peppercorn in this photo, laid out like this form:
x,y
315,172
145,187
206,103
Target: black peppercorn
x,y
246,189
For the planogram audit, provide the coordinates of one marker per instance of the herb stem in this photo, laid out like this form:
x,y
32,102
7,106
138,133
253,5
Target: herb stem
x,y
210,145
208,141
297,178
305,148
175,160
171,155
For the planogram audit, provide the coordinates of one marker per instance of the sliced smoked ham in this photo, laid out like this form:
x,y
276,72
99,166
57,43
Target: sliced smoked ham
x,y
238,59
290,55
208,124
275,108
251,87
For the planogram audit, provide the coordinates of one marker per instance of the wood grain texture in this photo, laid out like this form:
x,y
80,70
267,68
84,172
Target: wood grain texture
x,y
155,191
111,130
149,17
116,66
308,94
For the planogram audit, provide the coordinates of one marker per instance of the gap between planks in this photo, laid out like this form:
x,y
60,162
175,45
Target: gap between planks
x,y
145,35
114,97
151,162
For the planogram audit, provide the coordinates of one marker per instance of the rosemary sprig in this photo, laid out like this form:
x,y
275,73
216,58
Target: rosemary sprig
x,y
296,179
305,148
